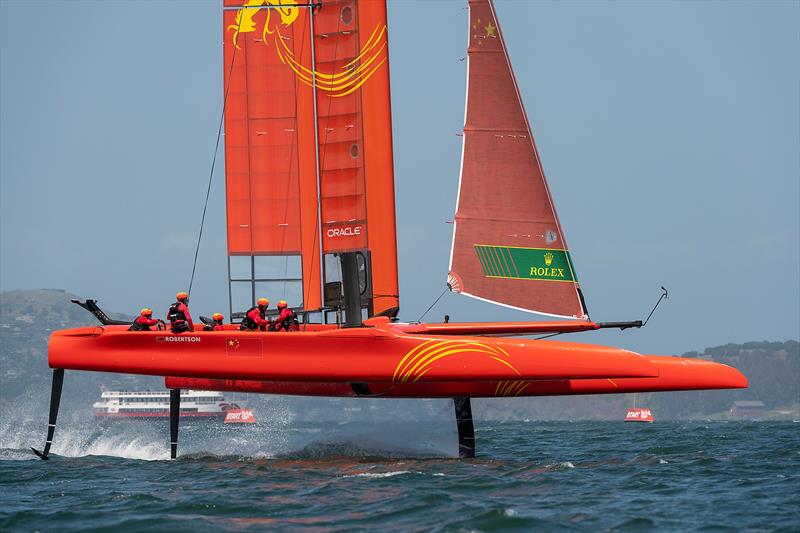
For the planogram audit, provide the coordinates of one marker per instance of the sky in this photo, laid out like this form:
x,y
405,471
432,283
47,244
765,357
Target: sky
x,y
669,133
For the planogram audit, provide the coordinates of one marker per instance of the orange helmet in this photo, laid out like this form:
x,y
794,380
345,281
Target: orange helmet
x,y
282,304
146,311
217,316
182,295
263,302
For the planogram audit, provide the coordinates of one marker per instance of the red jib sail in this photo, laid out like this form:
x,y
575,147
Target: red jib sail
x,y
308,144
508,246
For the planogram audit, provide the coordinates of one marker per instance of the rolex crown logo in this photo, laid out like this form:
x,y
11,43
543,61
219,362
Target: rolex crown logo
x,y
548,259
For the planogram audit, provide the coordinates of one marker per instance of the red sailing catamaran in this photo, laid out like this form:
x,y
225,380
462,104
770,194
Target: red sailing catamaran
x,y
309,180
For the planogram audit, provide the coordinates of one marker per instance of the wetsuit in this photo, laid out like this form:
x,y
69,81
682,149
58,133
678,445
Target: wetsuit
x,y
179,318
254,319
142,323
285,321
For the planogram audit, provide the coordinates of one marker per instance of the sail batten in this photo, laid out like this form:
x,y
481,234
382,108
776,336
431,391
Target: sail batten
x,y
508,246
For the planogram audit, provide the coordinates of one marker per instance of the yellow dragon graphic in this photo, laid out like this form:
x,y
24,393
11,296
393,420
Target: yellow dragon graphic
x,y
371,56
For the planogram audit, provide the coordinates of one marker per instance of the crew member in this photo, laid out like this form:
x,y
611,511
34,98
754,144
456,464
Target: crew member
x,y
286,321
255,317
218,318
179,318
143,321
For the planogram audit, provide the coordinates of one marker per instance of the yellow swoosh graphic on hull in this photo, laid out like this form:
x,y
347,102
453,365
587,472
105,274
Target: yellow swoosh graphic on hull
x,y
421,359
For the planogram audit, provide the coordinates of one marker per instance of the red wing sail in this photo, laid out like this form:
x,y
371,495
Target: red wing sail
x,y
308,139
508,246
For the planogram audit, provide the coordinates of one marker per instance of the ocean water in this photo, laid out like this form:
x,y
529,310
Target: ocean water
x,y
285,475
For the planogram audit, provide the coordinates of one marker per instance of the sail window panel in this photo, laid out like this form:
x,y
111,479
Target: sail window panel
x,y
277,267
241,267
291,291
241,295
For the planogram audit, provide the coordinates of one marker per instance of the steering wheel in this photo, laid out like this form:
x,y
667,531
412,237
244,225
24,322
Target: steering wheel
x,y
161,326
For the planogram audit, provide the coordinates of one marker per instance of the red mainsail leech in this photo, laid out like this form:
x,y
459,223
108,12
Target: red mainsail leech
x,y
508,247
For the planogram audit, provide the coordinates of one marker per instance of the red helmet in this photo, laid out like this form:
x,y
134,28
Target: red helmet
x,y
282,304
146,311
263,302
182,295
218,317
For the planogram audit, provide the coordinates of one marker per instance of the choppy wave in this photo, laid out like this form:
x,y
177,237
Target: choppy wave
x,y
283,475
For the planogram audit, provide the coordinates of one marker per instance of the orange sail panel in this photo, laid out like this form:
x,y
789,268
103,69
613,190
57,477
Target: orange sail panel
x,y
355,139
508,246
308,136
270,147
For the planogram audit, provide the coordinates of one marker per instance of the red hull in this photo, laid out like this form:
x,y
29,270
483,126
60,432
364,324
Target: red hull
x,y
676,374
391,359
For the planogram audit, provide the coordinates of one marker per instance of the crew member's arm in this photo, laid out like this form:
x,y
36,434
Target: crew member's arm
x,y
188,317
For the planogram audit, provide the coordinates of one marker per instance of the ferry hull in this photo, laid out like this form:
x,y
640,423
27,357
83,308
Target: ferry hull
x,y
148,416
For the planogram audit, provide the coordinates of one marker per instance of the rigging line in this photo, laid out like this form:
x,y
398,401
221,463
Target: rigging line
x,y
664,295
320,162
434,303
213,164
551,335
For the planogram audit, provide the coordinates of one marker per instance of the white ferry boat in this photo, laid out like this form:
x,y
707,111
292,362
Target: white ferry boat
x,y
155,404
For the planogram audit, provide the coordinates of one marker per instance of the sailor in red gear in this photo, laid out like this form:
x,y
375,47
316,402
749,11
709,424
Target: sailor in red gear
x,y
285,320
218,318
143,321
255,317
179,318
